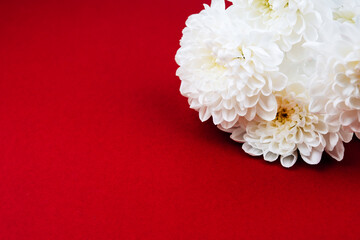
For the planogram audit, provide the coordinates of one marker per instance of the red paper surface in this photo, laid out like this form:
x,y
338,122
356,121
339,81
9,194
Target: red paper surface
x,y
96,141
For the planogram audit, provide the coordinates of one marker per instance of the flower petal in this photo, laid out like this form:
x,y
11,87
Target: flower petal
x,y
290,160
314,157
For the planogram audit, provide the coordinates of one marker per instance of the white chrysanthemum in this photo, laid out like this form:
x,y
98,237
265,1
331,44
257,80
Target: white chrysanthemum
x,y
291,20
337,91
228,70
295,129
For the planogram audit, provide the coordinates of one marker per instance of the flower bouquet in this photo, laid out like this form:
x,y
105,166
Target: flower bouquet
x,y
282,76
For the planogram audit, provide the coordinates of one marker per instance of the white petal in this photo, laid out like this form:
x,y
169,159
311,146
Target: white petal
x,y
218,4
204,114
217,118
354,102
314,157
270,156
250,150
268,103
290,160
348,117
317,105
321,127
266,115
333,139
229,115
250,102
250,114
279,81
338,151
227,125
238,135
346,136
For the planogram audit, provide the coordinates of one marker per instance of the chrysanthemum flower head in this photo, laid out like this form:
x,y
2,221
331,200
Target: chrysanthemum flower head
x,y
228,69
337,91
295,130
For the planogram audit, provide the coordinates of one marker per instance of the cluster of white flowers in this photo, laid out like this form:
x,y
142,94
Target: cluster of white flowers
x,y
282,76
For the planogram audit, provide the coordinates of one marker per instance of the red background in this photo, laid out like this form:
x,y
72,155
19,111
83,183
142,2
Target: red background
x,y
96,141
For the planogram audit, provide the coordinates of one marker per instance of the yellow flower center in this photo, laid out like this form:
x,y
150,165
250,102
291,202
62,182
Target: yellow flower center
x,y
264,6
344,16
286,112
283,115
